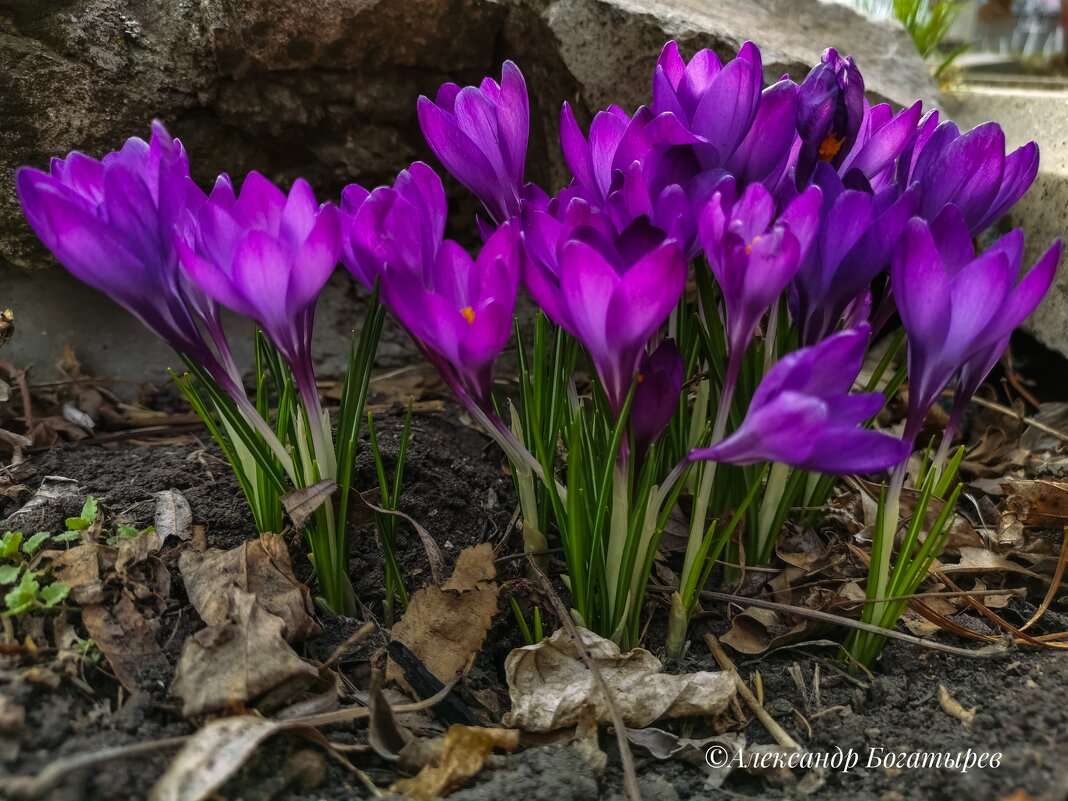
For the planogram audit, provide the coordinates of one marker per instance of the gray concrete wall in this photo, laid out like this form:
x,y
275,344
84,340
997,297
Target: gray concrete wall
x,y
1028,114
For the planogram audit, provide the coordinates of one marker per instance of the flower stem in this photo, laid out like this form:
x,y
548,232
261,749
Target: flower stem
x,y
679,616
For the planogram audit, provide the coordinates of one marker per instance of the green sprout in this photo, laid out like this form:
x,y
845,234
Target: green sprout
x,y
29,587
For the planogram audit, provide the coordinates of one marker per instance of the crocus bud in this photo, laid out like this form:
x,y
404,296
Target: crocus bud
x,y
611,293
399,227
857,234
656,397
479,133
830,107
972,172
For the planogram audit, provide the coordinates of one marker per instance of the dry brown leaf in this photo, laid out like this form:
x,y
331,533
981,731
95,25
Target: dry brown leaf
x,y
1039,503
991,601
213,755
136,550
261,567
129,642
7,326
173,516
444,626
83,569
238,661
918,625
463,753
953,707
755,631
551,688
980,560
300,504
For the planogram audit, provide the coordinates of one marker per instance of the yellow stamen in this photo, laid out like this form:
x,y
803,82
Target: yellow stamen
x,y
469,314
830,146
640,378
749,247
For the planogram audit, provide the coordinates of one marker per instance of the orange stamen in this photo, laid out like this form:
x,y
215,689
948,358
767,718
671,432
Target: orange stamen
x,y
830,146
469,314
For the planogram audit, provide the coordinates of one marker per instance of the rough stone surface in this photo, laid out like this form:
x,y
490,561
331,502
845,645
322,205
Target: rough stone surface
x,y
1043,212
327,88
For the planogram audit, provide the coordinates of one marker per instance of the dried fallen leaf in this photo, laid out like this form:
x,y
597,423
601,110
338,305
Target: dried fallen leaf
x,y
213,755
952,707
755,631
173,517
129,641
464,752
445,625
72,414
301,504
83,569
55,492
664,745
980,560
238,661
551,688
261,567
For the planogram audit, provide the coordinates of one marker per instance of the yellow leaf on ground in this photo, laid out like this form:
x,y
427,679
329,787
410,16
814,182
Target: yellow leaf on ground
x,y
463,754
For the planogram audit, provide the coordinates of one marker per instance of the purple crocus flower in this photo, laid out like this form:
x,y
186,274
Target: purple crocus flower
x,y
266,256
972,172
721,114
803,415
754,255
856,236
110,223
398,228
830,108
459,309
656,397
480,135
957,309
609,292
616,140
705,104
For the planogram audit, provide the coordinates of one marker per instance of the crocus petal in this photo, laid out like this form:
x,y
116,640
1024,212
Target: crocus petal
x,y
856,451
260,273
315,259
513,111
298,214
454,149
921,289
647,293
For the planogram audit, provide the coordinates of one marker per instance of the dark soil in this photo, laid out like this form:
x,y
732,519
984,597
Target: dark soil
x,y
458,489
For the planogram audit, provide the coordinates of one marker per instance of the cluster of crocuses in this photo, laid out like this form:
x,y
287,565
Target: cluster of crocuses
x,y
782,208
136,227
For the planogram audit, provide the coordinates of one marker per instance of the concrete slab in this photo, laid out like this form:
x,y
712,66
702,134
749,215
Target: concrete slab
x,y
1042,116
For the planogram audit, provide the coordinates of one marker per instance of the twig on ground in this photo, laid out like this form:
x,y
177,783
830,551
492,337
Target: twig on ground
x,y
997,649
37,786
1010,412
774,729
630,776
